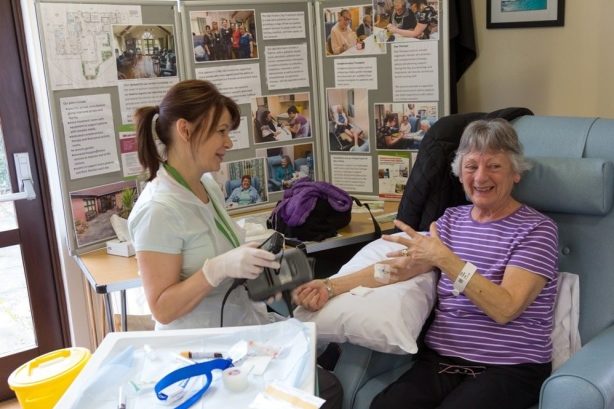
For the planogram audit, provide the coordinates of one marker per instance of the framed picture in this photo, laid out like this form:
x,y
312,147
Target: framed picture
x,y
524,13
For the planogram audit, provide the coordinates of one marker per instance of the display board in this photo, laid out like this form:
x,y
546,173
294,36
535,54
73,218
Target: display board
x,y
97,73
269,70
104,60
381,90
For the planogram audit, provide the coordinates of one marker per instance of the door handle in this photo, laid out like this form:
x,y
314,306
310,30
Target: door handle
x,y
24,180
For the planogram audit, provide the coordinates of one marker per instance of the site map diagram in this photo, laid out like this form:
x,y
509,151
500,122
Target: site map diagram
x,y
79,42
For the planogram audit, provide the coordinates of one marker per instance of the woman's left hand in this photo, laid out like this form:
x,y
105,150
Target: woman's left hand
x,y
311,296
419,249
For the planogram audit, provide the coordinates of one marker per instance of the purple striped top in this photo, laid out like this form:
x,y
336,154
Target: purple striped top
x,y
525,239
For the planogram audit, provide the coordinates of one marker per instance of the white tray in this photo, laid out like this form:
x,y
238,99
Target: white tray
x,y
98,383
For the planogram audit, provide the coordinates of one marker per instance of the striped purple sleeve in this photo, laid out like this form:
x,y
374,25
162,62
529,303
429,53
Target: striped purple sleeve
x,y
538,251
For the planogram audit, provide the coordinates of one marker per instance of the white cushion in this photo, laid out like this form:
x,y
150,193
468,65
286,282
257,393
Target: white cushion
x,y
390,318
387,319
566,336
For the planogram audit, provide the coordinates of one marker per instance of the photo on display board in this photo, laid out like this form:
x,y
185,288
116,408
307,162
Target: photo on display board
x,y
393,170
403,20
243,182
223,35
281,117
348,120
402,126
93,207
287,164
349,31
144,51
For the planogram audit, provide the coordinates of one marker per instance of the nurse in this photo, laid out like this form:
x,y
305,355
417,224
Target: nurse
x,y
188,248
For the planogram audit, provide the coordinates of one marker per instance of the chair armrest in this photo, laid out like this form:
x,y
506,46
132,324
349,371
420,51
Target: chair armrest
x,y
351,370
357,365
586,380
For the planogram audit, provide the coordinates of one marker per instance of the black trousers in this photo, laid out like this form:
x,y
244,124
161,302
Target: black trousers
x,y
443,382
330,389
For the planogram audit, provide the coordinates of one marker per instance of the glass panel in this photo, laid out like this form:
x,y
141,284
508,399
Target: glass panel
x,y
8,220
16,326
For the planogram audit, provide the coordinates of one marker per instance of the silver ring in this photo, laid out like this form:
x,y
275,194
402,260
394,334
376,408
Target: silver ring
x,y
404,252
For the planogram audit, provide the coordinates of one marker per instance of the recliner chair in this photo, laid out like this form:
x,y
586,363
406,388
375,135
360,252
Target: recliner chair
x,y
273,162
298,162
573,183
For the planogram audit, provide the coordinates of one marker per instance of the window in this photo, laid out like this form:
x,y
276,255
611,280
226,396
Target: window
x,y
90,205
149,42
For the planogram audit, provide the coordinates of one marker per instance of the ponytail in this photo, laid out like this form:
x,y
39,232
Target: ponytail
x,y
147,151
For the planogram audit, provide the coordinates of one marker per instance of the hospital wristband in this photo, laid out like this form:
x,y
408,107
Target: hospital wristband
x,y
463,278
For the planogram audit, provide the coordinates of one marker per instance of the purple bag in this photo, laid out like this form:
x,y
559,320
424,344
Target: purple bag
x,y
311,211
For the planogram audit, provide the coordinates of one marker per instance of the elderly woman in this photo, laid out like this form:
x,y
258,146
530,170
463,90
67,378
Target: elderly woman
x,y
488,345
342,37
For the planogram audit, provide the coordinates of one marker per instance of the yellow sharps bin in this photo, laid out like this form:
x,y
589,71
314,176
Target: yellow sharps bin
x,y
41,382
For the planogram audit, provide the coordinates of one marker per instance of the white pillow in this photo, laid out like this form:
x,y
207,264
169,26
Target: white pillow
x,y
387,319
390,318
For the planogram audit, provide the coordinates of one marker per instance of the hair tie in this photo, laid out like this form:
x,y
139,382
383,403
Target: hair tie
x,y
154,118
160,146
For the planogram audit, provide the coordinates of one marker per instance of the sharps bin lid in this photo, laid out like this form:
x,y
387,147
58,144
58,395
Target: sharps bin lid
x,y
50,367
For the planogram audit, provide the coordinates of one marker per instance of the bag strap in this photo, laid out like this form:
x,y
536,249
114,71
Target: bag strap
x,y
203,368
376,226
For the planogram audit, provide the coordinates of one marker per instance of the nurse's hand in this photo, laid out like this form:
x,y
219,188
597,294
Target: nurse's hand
x,y
246,261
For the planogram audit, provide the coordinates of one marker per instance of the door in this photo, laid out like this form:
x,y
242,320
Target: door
x,y
32,306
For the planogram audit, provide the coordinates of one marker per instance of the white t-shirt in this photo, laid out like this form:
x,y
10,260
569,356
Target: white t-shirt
x,y
168,218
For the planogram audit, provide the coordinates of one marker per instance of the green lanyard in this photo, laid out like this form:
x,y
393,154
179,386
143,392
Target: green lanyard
x,y
222,225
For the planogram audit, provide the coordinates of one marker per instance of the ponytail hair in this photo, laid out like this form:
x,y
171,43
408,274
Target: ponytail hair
x,y
198,102
148,154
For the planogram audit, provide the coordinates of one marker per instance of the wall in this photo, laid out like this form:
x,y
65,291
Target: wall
x,y
552,70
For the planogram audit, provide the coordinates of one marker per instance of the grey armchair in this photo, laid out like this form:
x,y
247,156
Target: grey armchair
x,y
273,162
